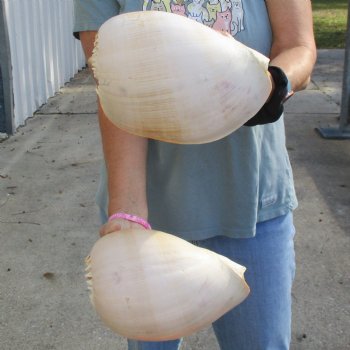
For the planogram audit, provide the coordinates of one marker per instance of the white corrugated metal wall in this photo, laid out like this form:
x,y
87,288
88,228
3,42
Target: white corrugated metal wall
x,y
44,53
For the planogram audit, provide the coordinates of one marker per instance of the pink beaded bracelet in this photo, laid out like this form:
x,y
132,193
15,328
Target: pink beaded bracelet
x,y
132,218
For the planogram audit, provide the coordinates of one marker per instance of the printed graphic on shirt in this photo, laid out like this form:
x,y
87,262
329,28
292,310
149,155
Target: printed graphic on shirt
x,y
223,15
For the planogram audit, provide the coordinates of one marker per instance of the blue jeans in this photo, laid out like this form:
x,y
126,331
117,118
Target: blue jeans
x,y
263,320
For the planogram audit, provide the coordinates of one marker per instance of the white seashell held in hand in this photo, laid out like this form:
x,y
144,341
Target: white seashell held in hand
x,y
149,285
170,78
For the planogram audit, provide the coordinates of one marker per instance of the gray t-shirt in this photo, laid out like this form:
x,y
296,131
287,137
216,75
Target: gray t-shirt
x,y
227,186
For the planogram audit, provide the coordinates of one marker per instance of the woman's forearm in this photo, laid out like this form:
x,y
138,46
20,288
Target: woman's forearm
x,y
297,63
125,157
293,48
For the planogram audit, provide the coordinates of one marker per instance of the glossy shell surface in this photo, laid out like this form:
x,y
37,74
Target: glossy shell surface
x,y
170,78
150,285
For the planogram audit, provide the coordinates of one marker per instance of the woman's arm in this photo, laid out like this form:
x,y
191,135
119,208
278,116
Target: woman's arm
x,y
293,47
125,157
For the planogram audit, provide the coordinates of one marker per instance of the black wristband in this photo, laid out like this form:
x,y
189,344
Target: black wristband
x,y
272,110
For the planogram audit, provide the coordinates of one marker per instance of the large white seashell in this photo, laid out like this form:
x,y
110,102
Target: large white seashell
x,y
170,78
150,285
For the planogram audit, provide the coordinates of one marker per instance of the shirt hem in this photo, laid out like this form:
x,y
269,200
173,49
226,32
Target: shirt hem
x,y
196,235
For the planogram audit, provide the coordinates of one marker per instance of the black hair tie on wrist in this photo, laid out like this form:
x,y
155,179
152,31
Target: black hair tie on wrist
x,y
272,110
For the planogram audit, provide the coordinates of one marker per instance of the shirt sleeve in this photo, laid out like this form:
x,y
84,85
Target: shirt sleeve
x,y
91,14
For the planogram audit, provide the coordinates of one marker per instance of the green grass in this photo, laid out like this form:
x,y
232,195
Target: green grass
x,y
330,19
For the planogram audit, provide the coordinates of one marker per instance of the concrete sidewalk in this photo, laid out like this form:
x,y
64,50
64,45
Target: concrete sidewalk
x,y
48,223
